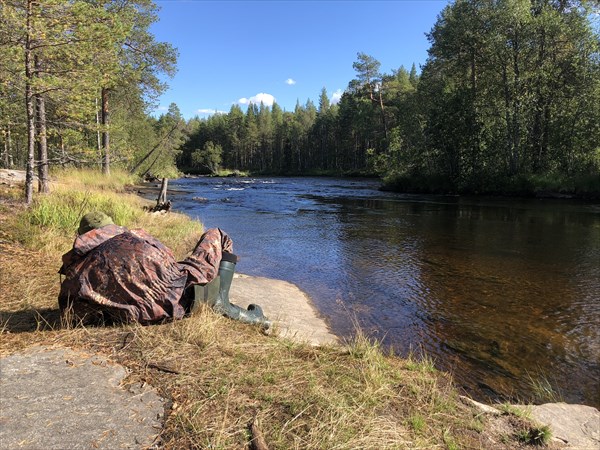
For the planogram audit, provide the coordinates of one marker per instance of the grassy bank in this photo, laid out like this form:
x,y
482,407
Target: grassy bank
x,y
219,376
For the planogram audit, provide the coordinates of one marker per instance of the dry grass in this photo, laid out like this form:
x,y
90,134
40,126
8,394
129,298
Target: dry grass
x,y
220,375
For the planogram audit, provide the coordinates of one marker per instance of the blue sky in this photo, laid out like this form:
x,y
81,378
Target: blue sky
x,y
241,51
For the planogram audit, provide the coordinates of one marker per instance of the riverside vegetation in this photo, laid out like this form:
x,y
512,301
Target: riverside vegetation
x,y
219,375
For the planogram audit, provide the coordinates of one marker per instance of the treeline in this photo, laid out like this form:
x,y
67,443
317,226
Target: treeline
x,y
76,81
509,97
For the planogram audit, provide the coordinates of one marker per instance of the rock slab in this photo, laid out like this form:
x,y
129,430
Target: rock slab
x,y
59,398
10,176
574,427
285,305
578,426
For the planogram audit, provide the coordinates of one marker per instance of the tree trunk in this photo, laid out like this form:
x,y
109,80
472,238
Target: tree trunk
x,y
162,198
542,112
516,115
476,125
508,120
5,152
153,149
63,152
98,134
385,131
105,133
6,157
162,205
42,141
147,171
29,106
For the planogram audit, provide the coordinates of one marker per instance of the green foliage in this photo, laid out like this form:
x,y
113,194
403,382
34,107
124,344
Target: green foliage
x,y
507,102
500,90
77,54
208,158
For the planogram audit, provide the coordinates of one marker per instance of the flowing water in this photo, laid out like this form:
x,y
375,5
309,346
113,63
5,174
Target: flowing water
x,y
503,293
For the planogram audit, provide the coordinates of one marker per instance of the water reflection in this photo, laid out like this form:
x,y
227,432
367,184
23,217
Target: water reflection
x,y
499,291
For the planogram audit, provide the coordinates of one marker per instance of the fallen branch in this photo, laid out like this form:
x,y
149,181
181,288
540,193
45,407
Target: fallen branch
x,y
163,367
257,441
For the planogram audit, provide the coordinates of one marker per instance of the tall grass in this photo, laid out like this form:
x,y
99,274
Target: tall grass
x,y
92,179
542,388
52,220
64,208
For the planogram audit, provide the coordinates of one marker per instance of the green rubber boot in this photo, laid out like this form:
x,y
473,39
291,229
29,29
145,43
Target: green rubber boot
x,y
253,315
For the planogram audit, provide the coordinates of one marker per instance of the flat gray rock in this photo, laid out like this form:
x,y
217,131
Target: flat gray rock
x,y
10,176
283,303
58,398
578,426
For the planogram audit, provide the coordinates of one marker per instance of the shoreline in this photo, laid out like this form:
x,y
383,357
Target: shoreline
x,y
305,324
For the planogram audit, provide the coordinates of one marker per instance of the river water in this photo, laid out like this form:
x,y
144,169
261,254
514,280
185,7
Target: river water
x,y
503,293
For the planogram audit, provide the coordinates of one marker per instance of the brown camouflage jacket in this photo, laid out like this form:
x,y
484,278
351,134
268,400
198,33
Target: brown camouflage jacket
x,y
131,276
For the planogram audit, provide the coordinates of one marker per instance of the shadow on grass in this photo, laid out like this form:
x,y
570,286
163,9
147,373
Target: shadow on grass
x,y
30,320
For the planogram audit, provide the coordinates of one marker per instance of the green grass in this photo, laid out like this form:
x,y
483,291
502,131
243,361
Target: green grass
x,y
527,431
52,220
93,179
539,435
420,362
542,389
450,441
63,210
230,173
517,411
417,422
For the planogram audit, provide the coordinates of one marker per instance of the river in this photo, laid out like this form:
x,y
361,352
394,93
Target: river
x,y
502,293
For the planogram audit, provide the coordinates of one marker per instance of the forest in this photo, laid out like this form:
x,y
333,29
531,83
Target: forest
x,y
508,102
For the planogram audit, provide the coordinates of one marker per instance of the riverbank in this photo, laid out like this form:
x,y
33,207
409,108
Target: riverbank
x,y
217,375
531,186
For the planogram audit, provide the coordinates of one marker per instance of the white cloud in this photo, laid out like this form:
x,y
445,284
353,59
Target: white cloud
x,y
336,97
210,111
290,81
162,108
266,99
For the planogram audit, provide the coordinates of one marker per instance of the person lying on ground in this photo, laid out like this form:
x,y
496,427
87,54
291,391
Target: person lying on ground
x,y
116,274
